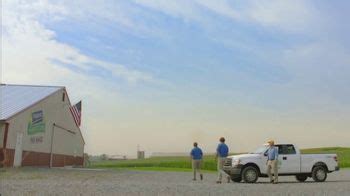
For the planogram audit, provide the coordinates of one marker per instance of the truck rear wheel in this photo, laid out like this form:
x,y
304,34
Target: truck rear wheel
x,y
250,174
319,174
301,178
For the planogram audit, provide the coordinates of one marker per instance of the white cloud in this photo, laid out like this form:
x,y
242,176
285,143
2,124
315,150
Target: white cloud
x,y
27,43
222,7
184,9
289,15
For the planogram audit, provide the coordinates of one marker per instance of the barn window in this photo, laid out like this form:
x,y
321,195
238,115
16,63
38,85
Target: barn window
x,y
63,96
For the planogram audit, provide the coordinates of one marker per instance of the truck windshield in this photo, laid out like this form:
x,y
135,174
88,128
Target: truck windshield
x,y
260,150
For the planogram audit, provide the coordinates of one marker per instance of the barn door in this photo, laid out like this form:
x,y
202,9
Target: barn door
x,y
17,162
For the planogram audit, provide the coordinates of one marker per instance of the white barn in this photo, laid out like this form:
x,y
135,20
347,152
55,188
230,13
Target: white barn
x,y
37,127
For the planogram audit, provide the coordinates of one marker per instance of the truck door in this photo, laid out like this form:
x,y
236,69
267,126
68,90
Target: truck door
x,y
288,159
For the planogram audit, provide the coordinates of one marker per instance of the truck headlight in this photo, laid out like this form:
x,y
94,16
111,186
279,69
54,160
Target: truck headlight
x,y
236,162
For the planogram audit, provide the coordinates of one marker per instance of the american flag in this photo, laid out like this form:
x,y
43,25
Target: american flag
x,y
76,112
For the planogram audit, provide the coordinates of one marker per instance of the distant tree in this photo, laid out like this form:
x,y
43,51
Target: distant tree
x,y
104,157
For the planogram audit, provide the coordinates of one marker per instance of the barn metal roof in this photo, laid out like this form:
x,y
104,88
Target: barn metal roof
x,y
16,98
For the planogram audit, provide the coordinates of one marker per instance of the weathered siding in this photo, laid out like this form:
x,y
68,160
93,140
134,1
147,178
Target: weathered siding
x,y
42,159
2,131
54,111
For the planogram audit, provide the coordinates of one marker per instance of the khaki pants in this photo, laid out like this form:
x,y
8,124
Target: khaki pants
x,y
221,172
272,165
196,166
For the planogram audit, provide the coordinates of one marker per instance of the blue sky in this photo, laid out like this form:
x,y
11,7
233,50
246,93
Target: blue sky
x,y
283,62
206,51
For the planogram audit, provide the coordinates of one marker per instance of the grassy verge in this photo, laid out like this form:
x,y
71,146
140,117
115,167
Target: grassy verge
x,y
157,164
209,164
167,169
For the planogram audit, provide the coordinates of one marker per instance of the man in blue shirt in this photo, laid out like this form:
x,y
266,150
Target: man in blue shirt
x,y
196,156
272,160
221,154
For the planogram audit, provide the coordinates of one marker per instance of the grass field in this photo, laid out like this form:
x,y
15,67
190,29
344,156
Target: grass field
x,y
184,163
157,164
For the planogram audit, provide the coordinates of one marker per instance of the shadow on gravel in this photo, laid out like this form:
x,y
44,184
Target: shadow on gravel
x,y
308,182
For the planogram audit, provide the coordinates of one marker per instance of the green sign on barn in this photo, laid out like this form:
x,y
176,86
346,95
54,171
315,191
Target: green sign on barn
x,y
36,124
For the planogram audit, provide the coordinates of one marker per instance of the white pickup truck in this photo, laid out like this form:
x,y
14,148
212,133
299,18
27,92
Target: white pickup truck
x,y
249,167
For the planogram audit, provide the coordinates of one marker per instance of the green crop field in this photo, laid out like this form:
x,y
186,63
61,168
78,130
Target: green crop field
x,y
209,164
157,163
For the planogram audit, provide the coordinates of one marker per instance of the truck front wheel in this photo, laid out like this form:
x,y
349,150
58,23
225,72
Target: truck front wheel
x,y
250,174
319,174
301,178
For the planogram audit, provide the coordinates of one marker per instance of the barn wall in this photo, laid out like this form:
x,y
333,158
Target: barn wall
x,y
2,131
54,111
42,159
65,142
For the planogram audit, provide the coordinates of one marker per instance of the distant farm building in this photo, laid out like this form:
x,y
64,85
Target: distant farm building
x,y
117,157
140,154
39,127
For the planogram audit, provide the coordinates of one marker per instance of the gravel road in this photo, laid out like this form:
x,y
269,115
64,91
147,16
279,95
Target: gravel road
x,y
30,181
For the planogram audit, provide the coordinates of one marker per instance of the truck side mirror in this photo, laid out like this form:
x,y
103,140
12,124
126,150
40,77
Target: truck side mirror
x,y
265,154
